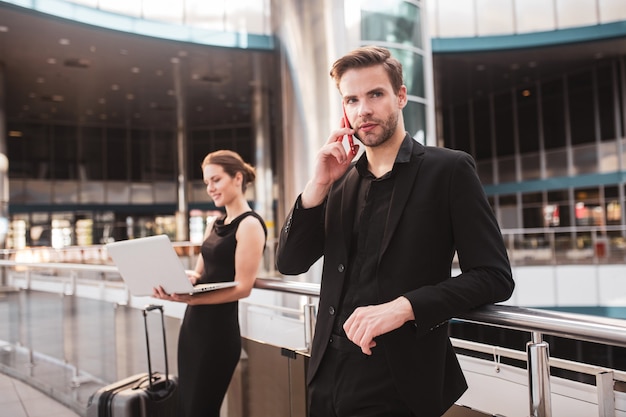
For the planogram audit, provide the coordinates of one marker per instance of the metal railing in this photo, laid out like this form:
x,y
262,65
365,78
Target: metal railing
x,y
538,323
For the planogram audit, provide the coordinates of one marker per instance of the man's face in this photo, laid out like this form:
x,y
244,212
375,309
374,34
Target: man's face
x,y
371,105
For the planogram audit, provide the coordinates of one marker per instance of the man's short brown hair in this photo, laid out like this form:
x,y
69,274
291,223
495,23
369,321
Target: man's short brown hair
x,y
368,56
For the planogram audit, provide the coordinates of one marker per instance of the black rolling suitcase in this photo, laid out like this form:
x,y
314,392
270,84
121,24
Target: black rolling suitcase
x,y
142,395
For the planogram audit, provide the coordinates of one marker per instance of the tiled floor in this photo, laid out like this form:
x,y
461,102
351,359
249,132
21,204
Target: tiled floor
x,y
20,400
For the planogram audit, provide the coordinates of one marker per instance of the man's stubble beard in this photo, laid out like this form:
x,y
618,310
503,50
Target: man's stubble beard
x,y
389,127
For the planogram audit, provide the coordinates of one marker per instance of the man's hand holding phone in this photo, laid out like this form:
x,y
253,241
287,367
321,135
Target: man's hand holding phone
x,y
331,163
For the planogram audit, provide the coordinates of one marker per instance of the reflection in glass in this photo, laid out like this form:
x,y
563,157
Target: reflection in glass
x,y
392,21
415,120
413,68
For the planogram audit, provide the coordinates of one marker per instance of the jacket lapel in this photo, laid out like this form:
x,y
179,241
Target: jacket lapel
x,y
405,179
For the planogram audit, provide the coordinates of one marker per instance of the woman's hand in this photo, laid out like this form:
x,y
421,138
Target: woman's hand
x,y
193,277
160,293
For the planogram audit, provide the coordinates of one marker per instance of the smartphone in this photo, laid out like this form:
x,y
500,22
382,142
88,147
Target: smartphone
x,y
347,124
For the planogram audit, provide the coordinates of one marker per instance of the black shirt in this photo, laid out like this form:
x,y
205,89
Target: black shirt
x,y
372,209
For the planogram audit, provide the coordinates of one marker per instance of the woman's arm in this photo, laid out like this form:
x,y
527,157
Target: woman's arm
x,y
248,255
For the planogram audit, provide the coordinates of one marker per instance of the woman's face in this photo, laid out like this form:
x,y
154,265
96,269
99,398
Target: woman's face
x,y
221,187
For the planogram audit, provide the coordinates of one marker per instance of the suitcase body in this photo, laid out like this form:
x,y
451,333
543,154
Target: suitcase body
x,y
138,395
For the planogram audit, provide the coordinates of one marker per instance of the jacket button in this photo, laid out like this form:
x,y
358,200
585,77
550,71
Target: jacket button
x,y
341,268
331,310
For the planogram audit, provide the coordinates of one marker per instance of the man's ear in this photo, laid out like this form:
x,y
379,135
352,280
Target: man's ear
x,y
402,97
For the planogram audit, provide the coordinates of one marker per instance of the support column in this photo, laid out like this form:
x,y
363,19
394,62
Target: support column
x,y
264,184
182,215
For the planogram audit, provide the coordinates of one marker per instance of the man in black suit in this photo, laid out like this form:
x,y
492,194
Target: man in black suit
x,y
388,227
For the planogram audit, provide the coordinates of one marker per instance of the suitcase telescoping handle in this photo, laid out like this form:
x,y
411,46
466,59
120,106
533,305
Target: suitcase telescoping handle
x,y
147,309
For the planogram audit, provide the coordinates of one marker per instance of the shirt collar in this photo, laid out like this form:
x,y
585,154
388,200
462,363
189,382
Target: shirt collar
x,y
403,156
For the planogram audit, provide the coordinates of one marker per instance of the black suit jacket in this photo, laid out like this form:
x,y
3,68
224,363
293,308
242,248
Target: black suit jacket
x,y
438,207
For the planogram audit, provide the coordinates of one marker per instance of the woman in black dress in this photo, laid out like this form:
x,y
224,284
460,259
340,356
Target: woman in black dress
x,y
209,344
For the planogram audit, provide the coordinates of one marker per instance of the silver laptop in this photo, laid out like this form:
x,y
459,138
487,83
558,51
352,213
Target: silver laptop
x,y
149,262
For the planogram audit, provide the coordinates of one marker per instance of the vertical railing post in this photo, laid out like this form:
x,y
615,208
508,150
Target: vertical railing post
x,y
309,323
606,395
539,377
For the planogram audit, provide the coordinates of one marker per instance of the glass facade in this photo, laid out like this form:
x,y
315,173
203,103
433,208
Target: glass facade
x,y
397,25
469,18
549,152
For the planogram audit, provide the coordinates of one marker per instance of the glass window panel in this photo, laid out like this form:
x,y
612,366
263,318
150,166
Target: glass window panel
x,y
455,18
90,3
461,128
587,210
200,145
576,13
508,212
585,159
394,21
90,165
482,129
506,170
141,193
141,153
612,10
413,69
204,14
117,192
609,161
92,192
534,16
556,163
65,192
532,217
503,117
64,152
16,191
20,166
485,172
164,155
535,199
163,10
125,7
531,166
117,152
613,207
245,16
581,109
606,101
527,114
37,192
558,196
553,114
198,193
446,127
415,120
494,17
165,192
244,145
222,139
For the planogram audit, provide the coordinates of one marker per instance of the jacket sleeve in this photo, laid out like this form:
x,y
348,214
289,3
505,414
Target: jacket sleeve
x,y
301,241
485,270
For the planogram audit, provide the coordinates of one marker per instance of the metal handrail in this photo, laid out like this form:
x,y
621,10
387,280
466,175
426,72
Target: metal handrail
x,y
538,322
570,325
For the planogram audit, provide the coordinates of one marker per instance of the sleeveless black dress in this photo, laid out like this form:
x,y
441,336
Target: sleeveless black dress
x,y
209,344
